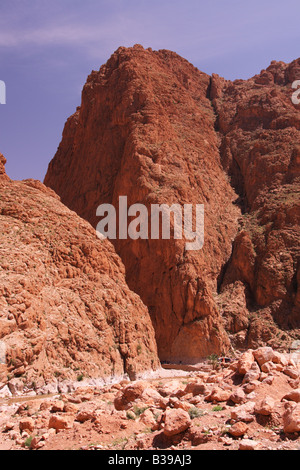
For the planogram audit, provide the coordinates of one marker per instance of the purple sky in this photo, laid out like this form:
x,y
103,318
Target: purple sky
x,y
48,48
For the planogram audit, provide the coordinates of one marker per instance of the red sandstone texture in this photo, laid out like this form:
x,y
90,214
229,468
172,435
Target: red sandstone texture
x,y
260,151
154,128
66,311
145,129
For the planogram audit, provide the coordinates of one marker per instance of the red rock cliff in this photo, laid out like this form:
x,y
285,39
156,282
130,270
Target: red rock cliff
x,y
66,309
153,127
145,129
260,129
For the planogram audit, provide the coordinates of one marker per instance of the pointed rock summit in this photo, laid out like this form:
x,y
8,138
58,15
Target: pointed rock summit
x,y
3,175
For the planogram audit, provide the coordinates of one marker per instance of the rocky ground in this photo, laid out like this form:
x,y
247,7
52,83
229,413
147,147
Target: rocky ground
x,y
252,402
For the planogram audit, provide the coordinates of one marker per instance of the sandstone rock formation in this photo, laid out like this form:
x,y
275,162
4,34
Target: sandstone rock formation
x,y
66,311
3,175
156,129
145,129
259,127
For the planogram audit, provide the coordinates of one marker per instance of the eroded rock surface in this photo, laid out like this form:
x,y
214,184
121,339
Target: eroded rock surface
x,y
154,128
259,126
66,311
145,129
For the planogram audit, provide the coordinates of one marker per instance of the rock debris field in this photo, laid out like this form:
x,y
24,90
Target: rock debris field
x,y
250,403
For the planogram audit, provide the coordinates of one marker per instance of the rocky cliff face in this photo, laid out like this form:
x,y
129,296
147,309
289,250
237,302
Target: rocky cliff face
x,y
66,310
154,128
145,129
259,127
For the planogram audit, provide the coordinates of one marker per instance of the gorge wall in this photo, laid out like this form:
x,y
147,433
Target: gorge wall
x,y
154,128
66,311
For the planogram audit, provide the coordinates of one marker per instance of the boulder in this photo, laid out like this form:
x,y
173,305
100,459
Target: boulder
x,y
253,373
152,397
59,422
129,394
238,429
263,354
5,392
27,424
16,386
265,406
218,395
84,416
238,396
268,366
147,418
245,362
176,421
248,444
291,372
243,413
57,406
291,418
293,395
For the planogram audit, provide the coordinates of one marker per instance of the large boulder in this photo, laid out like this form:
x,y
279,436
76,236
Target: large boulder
x,y
176,421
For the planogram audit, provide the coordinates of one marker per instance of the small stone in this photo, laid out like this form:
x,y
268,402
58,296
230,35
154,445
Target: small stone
x,y
238,429
26,424
265,406
248,444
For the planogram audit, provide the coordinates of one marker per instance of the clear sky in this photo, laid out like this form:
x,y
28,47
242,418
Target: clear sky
x,y
48,48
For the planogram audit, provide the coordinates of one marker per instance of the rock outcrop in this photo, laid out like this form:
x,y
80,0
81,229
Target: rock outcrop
x,y
66,312
155,129
260,131
145,129
3,175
